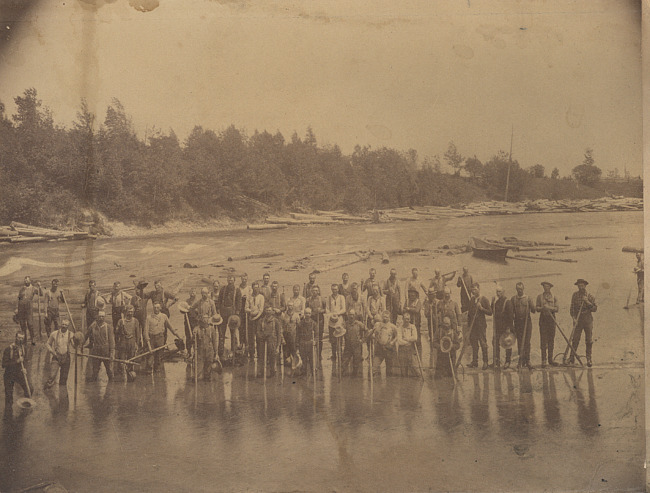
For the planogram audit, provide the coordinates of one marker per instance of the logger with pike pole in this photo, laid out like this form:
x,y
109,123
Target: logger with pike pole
x,y
14,372
547,306
479,307
522,308
583,304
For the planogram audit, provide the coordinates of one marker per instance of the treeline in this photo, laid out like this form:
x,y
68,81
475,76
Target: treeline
x,y
49,174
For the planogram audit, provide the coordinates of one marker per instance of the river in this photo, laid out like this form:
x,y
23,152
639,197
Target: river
x,y
560,429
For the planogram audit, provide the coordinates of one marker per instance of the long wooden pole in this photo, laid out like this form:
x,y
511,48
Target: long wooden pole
x,y
76,359
40,323
124,362
509,164
573,330
569,343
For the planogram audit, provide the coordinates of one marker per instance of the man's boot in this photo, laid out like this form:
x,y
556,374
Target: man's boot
x,y
589,355
543,358
550,355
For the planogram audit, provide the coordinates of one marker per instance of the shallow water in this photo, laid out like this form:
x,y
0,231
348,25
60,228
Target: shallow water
x,y
568,429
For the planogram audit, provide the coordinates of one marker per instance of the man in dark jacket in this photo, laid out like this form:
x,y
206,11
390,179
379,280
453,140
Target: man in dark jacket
x,y
12,357
479,306
522,307
583,305
306,337
502,319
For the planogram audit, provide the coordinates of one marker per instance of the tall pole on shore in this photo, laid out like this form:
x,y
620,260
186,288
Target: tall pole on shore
x,y
509,163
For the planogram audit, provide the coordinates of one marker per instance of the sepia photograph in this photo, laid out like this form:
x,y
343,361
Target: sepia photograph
x,y
322,245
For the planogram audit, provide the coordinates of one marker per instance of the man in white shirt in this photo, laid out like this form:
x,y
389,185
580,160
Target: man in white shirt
x,y
52,299
334,311
254,311
58,345
297,302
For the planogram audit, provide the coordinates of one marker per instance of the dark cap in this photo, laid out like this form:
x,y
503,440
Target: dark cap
x,y
546,283
580,281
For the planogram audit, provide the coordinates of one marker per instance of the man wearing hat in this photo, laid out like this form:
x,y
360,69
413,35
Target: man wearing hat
x,y
12,357
204,305
413,307
25,306
268,336
383,335
547,306
207,342
155,334
464,282
430,307
52,299
129,338
502,320
306,337
102,343
353,353
479,307
522,307
58,345
317,305
407,338
583,305
445,361
334,311
92,303
139,302
393,294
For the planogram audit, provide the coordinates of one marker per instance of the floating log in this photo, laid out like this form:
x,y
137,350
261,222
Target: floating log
x,y
256,227
406,250
340,265
256,255
30,239
632,249
547,258
517,278
587,237
521,259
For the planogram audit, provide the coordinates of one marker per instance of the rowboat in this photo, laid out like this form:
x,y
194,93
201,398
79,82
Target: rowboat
x,y
485,249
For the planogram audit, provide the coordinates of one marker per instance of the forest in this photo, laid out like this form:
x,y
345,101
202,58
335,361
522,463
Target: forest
x,y
50,175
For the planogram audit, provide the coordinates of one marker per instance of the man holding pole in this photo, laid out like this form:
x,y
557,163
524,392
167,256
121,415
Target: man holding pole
x,y
154,334
58,345
547,306
229,300
407,336
464,282
583,304
26,308
334,311
12,362
522,307
317,306
268,335
254,312
479,307
102,343
129,335
502,318
306,336
52,298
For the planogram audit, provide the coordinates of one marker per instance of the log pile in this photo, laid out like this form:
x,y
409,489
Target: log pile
x,y
25,233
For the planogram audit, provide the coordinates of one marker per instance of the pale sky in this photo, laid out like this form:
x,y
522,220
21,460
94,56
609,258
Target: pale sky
x,y
404,74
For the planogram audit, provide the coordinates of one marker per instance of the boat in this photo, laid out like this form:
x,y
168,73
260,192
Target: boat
x,y
485,249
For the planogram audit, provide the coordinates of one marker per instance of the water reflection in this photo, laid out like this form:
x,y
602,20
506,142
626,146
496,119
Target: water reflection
x,y
551,404
588,419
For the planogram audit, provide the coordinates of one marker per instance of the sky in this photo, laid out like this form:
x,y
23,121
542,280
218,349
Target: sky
x,y
561,76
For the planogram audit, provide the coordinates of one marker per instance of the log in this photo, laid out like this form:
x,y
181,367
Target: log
x,y
547,258
587,237
521,259
342,264
257,227
517,278
256,255
631,249
24,239
406,250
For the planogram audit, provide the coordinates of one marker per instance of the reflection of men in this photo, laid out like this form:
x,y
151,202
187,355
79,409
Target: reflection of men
x,y
583,305
58,345
102,343
12,357
547,307
52,299
502,318
25,307
479,306
638,270
522,307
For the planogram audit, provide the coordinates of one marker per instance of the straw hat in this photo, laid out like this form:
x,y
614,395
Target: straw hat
x,y
184,307
217,319
234,322
339,332
546,283
507,340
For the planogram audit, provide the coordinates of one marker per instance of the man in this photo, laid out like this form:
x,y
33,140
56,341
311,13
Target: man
x,y
164,298
547,306
383,335
129,339
369,283
431,312
522,307
583,304
266,286
207,341
306,292
407,338
334,311
297,302
445,361
155,334
58,345
353,353
344,287
376,306
190,321
229,300
306,337
317,305
246,292
289,321
274,299
479,307
393,296
102,343
254,311
204,305
638,270
26,308
268,336
413,308
12,357
414,283
502,320
214,294
355,302
447,307
439,282
139,302
92,303
119,299
464,283
52,299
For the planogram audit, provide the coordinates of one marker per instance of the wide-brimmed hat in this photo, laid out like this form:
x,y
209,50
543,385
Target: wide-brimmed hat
x,y
184,307
140,284
546,283
507,340
580,281
234,321
334,319
100,302
339,332
216,319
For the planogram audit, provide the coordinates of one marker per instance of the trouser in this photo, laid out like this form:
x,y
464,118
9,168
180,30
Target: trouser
x,y
271,344
27,324
189,326
586,326
307,356
156,340
382,354
289,348
319,319
444,362
431,327
51,318
61,362
335,343
477,338
352,355
497,347
547,338
523,347
12,376
408,361
394,312
117,316
251,336
95,364
204,359
91,316
639,283
222,339
243,336
125,350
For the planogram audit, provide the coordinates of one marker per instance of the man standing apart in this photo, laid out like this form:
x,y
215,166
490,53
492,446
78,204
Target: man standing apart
x,y
52,299
638,270
102,343
547,306
583,305
58,345
26,308
522,307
